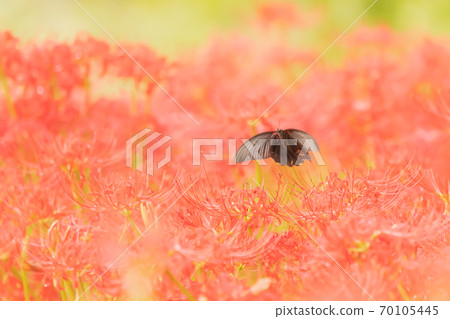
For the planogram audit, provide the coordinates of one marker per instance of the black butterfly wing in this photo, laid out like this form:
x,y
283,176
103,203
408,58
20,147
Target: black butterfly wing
x,y
257,147
305,143
303,137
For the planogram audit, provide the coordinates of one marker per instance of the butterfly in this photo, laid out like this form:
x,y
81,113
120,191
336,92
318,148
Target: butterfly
x,y
287,147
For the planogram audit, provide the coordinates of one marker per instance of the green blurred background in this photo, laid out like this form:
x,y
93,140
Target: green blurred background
x,y
173,25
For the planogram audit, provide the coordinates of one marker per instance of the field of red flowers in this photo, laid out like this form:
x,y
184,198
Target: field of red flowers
x,y
77,224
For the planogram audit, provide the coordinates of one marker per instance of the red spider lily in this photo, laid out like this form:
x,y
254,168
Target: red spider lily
x,y
76,223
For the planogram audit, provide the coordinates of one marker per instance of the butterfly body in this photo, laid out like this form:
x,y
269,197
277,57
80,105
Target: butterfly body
x,y
286,147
